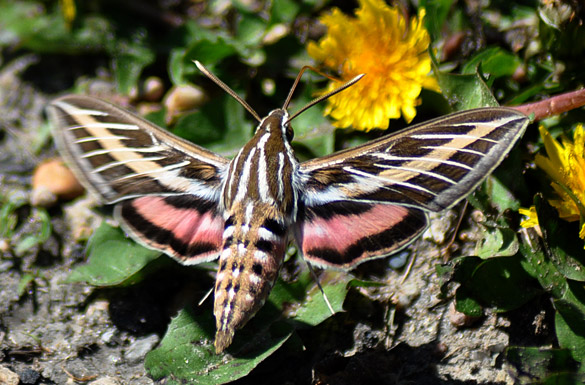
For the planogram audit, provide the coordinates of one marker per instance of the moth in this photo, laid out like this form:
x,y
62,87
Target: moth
x,y
341,210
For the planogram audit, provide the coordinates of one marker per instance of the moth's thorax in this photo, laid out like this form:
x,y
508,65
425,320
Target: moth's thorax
x,y
260,203
263,169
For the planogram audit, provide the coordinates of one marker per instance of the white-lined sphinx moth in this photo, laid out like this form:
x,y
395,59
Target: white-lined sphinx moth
x,y
343,209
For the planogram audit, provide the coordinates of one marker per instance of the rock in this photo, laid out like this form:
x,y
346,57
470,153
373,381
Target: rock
x,y
105,381
29,376
52,180
138,350
8,377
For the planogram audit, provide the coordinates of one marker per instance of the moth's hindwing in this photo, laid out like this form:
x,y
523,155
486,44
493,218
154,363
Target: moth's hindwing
x,y
342,234
167,189
368,191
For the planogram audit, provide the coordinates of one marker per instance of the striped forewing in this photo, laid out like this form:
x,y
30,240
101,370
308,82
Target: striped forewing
x,y
120,156
430,166
167,190
386,186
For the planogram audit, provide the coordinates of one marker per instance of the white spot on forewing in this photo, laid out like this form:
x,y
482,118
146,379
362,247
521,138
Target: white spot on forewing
x,y
122,150
236,272
249,298
88,139
454,149
241,249
220,276
159,170
112,126
452,136
405,173
387,179
122,162
421,159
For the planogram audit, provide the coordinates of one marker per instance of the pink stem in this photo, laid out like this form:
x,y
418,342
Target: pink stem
x,y
554,105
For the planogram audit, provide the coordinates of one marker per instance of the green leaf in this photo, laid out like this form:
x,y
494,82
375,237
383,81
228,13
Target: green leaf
x,y
562,245
186,352
36,27
238,129
32,240
540,267
500,195
128,65
8,218
464,92
491,242
202,127
284,11
500,282
497,242
494,62
23,283
466,304
540,363
570,328
437,11
113,259
208,47
314,309
251,29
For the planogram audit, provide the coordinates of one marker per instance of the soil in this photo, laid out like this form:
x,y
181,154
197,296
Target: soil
x,y
55,332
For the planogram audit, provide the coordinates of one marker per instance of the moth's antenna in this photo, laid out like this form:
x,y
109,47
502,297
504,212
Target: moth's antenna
x,y
322,97
225,87
294,86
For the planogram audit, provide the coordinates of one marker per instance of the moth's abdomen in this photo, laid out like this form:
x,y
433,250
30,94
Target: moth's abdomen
x,y
248,267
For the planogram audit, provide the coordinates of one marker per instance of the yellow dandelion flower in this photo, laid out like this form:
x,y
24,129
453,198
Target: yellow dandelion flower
x,y
380,43
565,165
532,220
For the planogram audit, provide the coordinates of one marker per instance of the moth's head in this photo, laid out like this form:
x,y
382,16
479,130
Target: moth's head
x,y
277,120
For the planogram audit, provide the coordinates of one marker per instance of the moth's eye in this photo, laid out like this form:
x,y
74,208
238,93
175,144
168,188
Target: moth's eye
x,y
290,134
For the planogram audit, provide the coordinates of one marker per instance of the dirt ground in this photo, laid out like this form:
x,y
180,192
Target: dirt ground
x,y
63,333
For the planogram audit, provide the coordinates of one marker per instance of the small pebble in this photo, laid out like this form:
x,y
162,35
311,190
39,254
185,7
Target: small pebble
x,y
138,350
8,377
275,33
458,319
398,261
105,381
153,89
29,376
183,98
52,180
